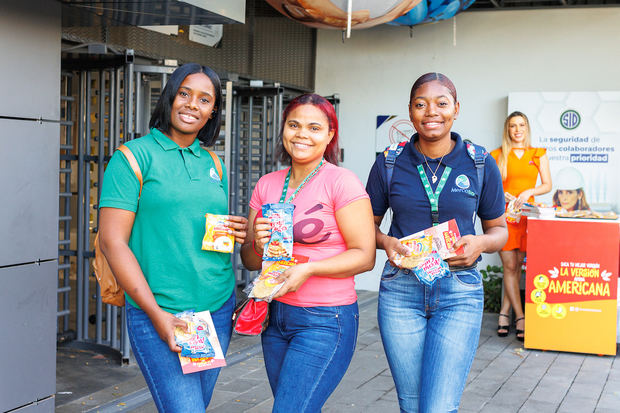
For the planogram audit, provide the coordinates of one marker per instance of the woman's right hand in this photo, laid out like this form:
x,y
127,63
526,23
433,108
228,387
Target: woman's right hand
x,y
164,324
393,246
262,233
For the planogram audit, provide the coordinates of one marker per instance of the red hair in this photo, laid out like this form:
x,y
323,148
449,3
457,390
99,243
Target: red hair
x,y
332,151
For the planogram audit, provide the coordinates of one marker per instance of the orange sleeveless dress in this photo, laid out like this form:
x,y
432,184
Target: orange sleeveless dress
x,y
521,175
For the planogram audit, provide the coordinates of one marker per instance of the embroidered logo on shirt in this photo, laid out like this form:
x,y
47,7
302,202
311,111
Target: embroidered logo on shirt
x,y
462,181
214,175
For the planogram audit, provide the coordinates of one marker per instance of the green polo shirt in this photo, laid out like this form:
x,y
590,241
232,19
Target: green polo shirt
x,y
180,185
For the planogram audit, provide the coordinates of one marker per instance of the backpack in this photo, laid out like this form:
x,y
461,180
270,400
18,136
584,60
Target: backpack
x,y
110,291
477,153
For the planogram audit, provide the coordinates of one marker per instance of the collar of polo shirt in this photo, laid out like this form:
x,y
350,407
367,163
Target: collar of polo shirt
x,y
168,144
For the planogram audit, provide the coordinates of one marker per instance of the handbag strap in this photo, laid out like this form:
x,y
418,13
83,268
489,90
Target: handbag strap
x,y
133,163
216,161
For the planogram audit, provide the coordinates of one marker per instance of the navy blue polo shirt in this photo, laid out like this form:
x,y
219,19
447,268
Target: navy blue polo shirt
x,y
410,204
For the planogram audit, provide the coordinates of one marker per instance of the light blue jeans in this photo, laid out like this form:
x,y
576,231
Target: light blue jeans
x,y
173,391
307,352
430,336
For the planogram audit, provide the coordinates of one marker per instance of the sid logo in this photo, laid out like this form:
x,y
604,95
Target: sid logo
x,y
570,119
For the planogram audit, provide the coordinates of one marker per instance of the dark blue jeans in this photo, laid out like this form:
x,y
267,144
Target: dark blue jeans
x,y
173,391
307,351
430,336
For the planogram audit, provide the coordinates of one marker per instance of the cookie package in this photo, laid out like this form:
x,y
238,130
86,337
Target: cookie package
x,y
419,249
200,347
280,245
267,284
216,236
443,236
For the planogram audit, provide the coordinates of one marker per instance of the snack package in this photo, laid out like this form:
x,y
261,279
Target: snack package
x,y
280,245
443,236
267,284
216,236
432,268
200,348
537,210
195,342
513,214
420,249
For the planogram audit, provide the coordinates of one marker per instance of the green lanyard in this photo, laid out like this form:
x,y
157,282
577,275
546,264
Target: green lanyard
x,y
433,197
306,179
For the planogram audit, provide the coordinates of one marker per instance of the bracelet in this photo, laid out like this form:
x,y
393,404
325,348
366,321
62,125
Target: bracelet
x,y
254,248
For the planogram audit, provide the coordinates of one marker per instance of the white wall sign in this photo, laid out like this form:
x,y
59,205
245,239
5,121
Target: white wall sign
x,y
164,29
582,135
233,9
392,129
209,35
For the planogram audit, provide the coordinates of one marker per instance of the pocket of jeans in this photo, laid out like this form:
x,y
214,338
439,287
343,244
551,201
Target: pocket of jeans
x,y
470,278
389,272
322,311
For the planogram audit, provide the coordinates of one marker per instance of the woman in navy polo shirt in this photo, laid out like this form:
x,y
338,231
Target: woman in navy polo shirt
x,y
152,236
430,333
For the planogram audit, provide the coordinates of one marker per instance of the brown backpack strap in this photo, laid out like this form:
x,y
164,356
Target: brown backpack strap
x,y
133,163
216,161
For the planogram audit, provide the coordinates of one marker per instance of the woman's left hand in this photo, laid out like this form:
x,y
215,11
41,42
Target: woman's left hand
x,y
473,245
239,227
294,278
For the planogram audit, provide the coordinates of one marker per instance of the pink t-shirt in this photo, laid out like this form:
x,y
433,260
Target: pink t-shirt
x,y
315,230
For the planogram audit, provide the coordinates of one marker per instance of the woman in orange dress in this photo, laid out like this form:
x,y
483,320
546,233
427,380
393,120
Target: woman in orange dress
x,y
520,165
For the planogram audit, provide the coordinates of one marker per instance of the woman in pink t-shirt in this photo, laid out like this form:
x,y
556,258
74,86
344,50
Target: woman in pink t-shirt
x,y
314,317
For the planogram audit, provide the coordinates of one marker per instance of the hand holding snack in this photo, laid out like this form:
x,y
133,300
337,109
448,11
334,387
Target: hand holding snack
x,y
280,245
165,324
267,284
393,248
294,278
473,246
419,249
238,227
262,233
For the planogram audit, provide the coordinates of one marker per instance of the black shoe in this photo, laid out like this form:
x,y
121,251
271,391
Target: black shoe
x,y
519,333
503,327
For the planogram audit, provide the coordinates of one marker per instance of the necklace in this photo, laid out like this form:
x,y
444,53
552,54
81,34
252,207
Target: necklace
x,y
433,173
306,179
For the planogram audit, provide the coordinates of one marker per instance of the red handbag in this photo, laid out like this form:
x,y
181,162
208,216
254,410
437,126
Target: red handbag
x,y
251,317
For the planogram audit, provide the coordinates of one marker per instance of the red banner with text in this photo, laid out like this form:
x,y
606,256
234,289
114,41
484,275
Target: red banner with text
x,y
571,285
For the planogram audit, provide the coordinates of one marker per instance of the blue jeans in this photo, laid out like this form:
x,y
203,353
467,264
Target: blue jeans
x,y
307,350
172,390
430,336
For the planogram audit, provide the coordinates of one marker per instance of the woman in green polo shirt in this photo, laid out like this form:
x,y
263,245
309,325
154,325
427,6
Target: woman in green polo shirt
x,y
152,236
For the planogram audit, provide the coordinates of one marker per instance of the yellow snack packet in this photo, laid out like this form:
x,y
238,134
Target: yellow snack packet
x,y
216,236
420,249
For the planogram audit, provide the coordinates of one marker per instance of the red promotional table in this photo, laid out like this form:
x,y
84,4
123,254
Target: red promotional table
x,y
571,285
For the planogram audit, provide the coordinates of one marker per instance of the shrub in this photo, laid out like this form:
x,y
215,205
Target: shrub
x,y
492,278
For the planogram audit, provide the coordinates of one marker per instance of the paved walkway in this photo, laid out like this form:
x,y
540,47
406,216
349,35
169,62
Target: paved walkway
x,y
504,378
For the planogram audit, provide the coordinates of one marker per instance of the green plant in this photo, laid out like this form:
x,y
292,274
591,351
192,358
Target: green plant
x,y
492,278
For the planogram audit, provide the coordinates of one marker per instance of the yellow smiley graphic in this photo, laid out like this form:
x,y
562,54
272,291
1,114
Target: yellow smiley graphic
x,y
543,310
558,311
541,281
538,296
